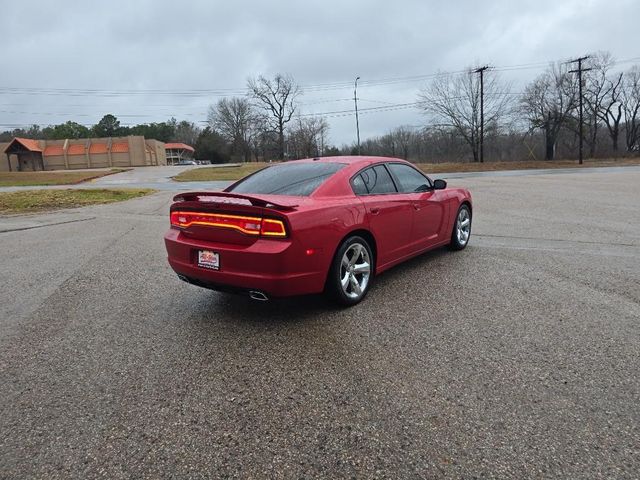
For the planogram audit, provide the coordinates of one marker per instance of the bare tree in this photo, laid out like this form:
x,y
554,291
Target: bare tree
x,y
264,142
454,100
403,139
631,106
308,137
186,132
602,98
595,94
235,120
399,142
386,145
277,98
547,104
612,109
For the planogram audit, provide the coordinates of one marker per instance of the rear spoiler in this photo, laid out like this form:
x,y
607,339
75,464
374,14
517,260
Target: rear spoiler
x,y
210,197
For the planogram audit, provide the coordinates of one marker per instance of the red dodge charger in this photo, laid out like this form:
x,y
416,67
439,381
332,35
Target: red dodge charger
x,y
323,224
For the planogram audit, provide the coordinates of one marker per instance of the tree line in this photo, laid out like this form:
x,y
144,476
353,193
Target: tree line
x,y
539,122
261,126
264,124
109,126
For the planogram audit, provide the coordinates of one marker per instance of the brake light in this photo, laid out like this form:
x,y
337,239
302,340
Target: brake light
x,y
272,228
248,225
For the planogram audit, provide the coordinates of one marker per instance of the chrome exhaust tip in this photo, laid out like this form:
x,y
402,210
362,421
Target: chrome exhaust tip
x,y
257,295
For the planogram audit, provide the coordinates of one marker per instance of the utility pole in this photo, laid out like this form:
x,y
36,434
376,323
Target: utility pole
x,y
481,71
579,71
355,99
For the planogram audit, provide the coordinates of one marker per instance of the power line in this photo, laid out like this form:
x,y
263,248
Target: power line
x,y
241,91
387,106
333,114
361,110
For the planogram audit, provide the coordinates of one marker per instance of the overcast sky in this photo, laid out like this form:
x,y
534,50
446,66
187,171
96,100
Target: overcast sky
x,y
126,50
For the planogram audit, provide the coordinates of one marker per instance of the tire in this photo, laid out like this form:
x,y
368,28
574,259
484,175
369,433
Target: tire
x,y
351,272
461,228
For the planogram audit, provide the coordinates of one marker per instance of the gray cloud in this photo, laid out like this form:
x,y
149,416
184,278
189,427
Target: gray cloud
x,y
185,46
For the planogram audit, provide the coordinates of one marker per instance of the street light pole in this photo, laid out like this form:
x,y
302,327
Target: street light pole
x,y
355,99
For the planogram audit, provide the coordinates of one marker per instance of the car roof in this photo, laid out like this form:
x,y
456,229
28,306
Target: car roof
x,y
338,184
356,160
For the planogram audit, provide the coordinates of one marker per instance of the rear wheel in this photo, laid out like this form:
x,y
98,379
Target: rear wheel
x,y
351,271
461,229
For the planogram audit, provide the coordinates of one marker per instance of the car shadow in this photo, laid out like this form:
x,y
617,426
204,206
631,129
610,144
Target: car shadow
x,y
218,307
224,307
424,259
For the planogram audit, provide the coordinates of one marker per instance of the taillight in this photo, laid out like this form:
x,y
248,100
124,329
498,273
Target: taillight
x,y
248,225
272,228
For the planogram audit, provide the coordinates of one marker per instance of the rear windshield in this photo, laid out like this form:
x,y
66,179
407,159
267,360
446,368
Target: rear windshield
x,y
288,179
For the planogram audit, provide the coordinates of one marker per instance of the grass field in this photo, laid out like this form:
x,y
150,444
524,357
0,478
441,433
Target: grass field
x,y
234,173
28,201
58,177
430,168
219,173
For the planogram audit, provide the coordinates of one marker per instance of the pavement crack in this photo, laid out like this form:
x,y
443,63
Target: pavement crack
x,y
557,240
31,227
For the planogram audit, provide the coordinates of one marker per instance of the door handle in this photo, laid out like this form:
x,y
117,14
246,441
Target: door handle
x,y
416,206
374,211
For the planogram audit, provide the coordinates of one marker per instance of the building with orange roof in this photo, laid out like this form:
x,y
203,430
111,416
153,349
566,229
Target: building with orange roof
x,y
177,152
27,152
23,154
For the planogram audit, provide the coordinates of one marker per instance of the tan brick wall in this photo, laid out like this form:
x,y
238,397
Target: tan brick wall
x,y
159,155
121,160
55,162
136,156
99,160
4,163
142,152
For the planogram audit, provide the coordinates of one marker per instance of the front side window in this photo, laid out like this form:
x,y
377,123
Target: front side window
x,y
378,180
300,179
409,178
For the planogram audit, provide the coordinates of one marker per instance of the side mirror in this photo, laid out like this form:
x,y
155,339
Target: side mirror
x,y
439,184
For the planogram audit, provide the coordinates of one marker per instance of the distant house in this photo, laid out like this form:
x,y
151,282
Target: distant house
x,y
176,152
23,154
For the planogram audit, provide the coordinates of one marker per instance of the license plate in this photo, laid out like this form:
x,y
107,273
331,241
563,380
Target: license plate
x,y
209,259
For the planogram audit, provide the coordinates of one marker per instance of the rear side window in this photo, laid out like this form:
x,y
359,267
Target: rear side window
x,y
378,180
359,187
299,179
409,178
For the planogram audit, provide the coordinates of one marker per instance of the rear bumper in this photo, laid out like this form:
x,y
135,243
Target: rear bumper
x,y
276,267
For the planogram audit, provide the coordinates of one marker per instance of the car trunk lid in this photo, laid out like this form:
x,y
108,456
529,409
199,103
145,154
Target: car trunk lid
x,y
231,218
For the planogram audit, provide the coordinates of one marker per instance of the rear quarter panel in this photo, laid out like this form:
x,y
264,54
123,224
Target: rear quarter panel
x,y
321,227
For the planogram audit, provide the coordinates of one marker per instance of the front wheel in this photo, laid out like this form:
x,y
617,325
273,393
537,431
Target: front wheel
x,y
351,271
461,229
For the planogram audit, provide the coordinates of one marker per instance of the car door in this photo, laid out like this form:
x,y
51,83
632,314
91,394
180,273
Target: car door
x,y
428,205
390,213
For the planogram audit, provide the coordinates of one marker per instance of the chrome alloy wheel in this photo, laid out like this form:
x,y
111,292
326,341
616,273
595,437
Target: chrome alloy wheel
x,y
463,226
355,271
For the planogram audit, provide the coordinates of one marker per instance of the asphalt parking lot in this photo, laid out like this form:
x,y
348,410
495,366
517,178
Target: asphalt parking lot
x,y
515,358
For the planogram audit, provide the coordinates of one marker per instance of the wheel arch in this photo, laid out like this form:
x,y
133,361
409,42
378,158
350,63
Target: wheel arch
x,y
368,236
468,204
358,232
